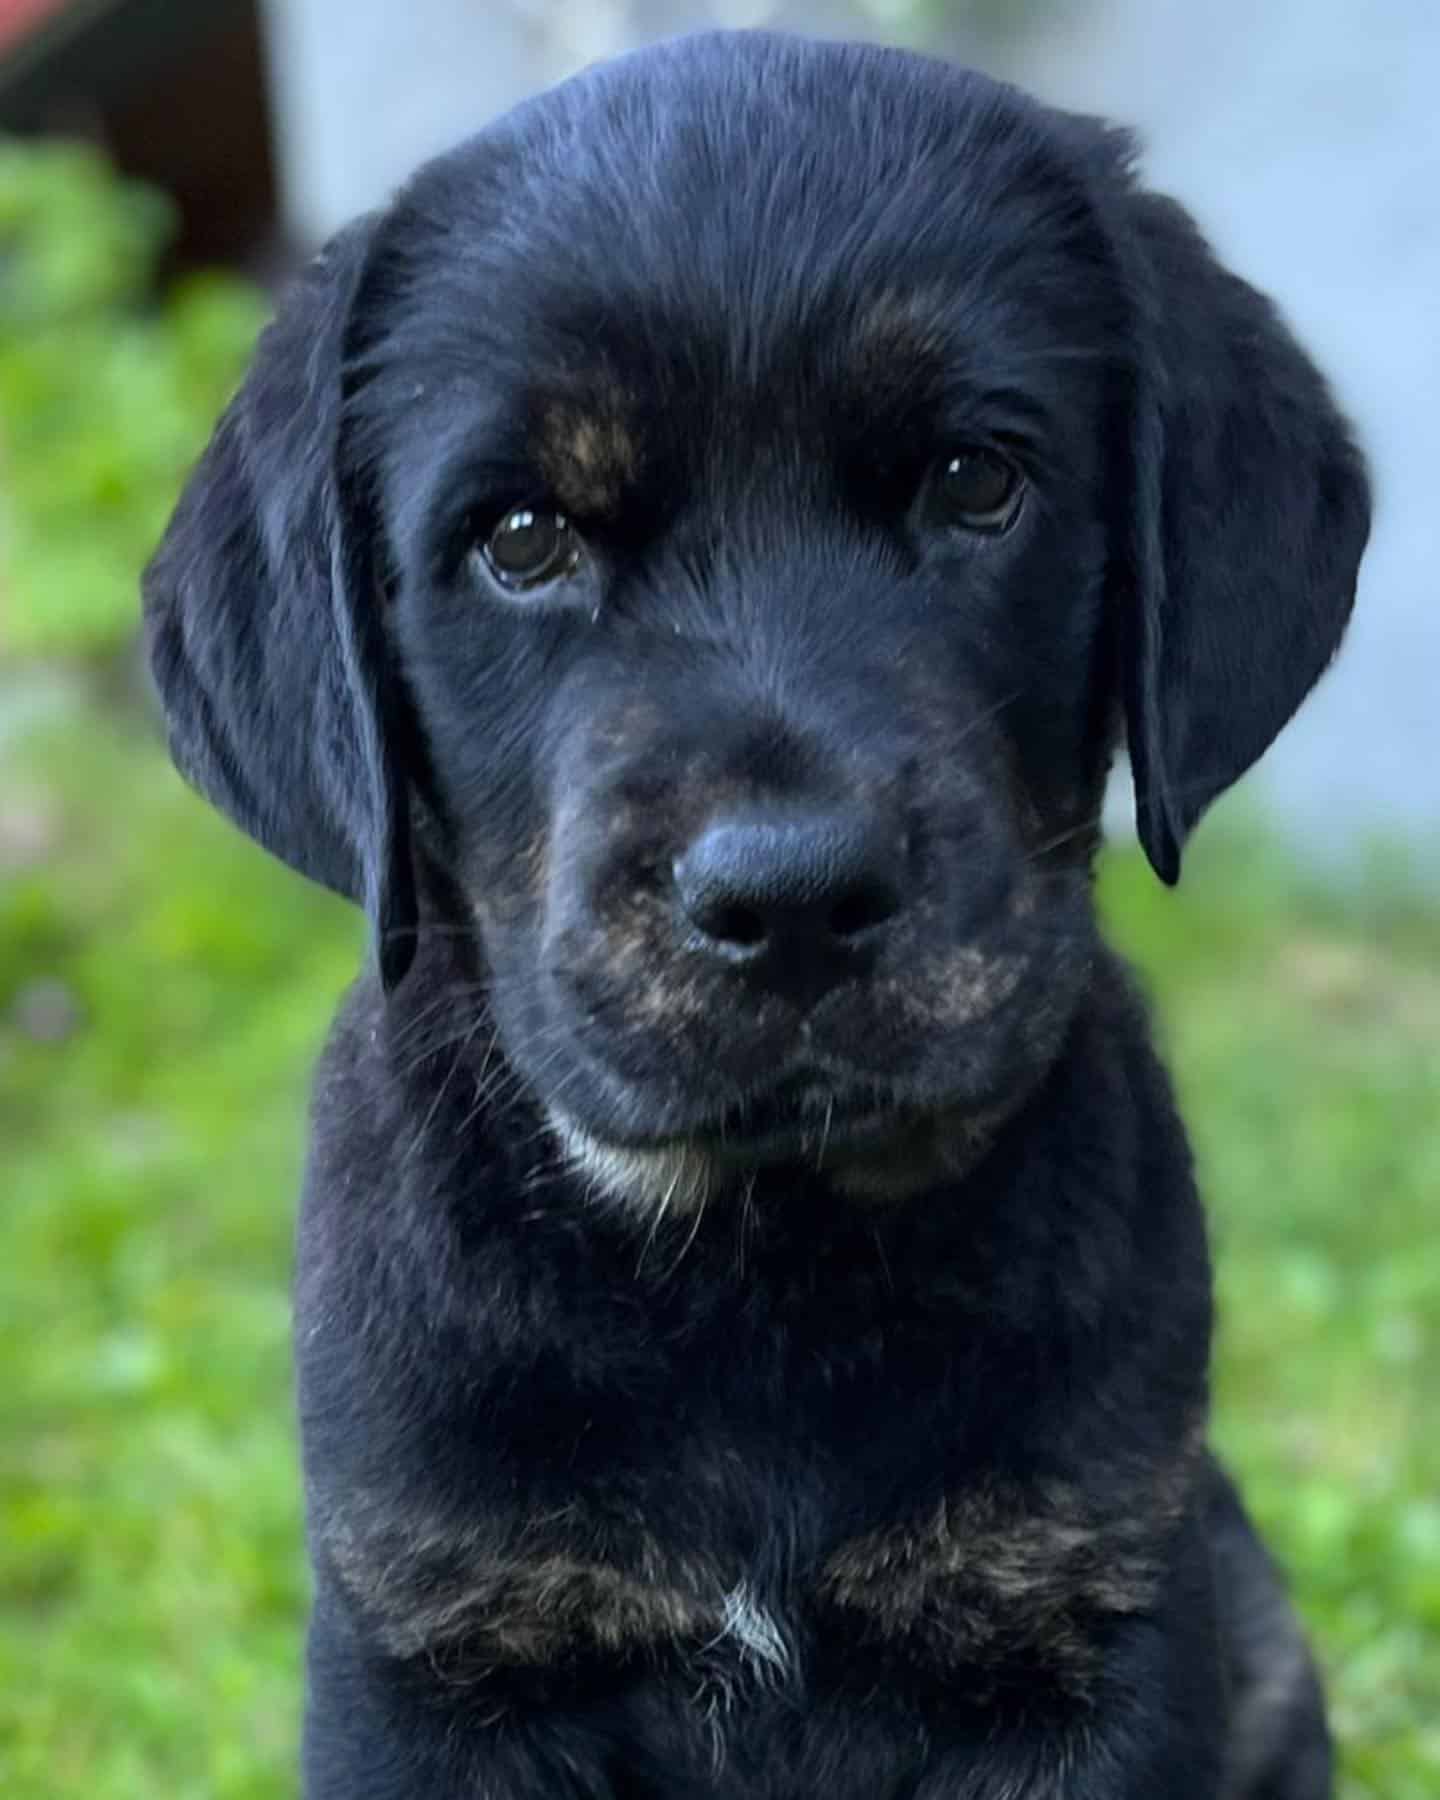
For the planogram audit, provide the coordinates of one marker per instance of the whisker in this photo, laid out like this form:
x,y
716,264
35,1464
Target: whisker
x,y
442,1089
661,1212
1086,826
691,1234
825,1134
747,1220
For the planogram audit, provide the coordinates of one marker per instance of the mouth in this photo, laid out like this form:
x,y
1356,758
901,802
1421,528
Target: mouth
x,y
805,1116
878,1145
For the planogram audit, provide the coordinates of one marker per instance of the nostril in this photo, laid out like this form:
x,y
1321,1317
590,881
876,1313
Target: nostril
x,y
864,907
739,926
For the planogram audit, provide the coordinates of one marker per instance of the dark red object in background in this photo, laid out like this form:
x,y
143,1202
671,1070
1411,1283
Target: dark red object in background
x,y
173,91
19,16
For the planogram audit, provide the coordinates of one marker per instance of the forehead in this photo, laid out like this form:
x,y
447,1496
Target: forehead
x,y
746,234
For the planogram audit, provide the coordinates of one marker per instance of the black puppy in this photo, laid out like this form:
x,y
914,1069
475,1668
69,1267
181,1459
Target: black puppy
x,y
687,565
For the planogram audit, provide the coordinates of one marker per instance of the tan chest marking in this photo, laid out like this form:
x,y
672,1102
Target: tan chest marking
x,y
996,1575
430,1591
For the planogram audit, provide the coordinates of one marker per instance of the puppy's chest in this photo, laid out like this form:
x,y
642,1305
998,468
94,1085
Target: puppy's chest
x,y
980,1579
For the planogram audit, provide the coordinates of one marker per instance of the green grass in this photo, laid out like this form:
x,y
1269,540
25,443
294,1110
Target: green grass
x,y
151,1578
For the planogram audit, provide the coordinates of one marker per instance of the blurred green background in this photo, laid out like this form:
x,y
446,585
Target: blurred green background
x,y
164,987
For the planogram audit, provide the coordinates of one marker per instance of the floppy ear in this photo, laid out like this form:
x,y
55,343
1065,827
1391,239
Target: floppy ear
x,y
1250,512
263,626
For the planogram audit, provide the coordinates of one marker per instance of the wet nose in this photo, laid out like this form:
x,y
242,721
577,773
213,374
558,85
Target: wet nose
x,y
798,894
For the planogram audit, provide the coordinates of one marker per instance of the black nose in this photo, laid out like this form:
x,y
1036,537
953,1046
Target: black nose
x,y
804,894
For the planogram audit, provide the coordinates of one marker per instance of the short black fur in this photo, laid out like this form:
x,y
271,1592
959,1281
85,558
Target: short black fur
x,y
753,1308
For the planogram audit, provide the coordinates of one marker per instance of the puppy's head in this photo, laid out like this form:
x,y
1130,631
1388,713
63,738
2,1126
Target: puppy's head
x,y
739,501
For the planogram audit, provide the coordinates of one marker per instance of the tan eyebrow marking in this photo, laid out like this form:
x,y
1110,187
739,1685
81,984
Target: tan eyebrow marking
x,y
588,453
898,329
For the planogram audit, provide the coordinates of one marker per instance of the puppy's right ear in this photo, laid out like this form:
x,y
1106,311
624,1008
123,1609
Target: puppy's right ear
x,y
263,627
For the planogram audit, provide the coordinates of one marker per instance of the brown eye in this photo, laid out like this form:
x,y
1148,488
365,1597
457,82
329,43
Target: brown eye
x,y
976,490
530,547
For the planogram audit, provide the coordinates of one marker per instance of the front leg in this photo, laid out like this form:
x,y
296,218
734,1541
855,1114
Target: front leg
x,y
1151,1729
378,1728
1060,1655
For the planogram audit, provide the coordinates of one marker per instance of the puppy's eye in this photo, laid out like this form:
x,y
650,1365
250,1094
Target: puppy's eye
x,y
530,547
975,489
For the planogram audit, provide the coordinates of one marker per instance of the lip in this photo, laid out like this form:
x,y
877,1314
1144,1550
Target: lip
x,y
803,1116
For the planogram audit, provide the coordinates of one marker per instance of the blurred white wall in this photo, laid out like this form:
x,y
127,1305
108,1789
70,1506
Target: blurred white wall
x,y
365,90
1305,134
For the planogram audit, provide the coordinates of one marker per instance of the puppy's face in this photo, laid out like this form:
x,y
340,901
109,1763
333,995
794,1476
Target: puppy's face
x,y
743,495
745,492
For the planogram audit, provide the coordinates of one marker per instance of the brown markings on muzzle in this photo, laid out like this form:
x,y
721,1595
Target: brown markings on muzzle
x,y
966,985
635,939
638,948
588,452
934,1151
994,1575
663,995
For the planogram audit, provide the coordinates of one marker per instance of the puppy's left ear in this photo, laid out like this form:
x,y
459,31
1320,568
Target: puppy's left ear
x,y
1250,513
262,611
